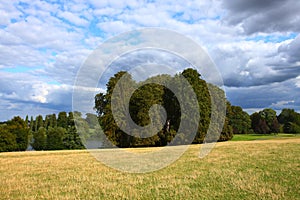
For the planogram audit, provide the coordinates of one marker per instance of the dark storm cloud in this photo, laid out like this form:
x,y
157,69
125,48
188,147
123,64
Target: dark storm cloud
x,y
276,96
283,74
264,15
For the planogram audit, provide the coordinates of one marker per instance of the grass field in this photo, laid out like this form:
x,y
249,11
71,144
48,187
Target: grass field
x,y
250,137
260,169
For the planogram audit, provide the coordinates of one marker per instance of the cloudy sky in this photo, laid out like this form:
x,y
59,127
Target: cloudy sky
x,y
255,45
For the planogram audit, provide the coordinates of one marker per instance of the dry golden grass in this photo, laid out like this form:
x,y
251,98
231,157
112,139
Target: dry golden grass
x,y
233,170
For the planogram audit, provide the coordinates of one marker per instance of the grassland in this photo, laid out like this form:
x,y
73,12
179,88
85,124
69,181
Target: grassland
x,y
250,137
260,169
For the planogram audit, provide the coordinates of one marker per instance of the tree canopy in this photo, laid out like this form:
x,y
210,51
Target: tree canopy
x,y
155,91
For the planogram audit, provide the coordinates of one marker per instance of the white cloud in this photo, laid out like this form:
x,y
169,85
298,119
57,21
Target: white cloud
x,y
282,103
74,19
114,27
51,40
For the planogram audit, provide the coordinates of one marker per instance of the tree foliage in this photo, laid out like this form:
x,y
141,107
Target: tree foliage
x,y
290,120
7,140
19,128
39,139
239,120
153,92
265,122
54,134
14,135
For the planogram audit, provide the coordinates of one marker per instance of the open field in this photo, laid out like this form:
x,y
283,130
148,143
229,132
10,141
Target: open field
x,y
260,169
250,137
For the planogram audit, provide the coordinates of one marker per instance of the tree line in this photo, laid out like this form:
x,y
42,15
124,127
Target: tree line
x,y
59,132
49,133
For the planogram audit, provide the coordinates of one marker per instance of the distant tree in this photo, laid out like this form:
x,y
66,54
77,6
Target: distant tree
x,y
288,115
82,127
239,120
62,120
7,139
27,120
291,127
53,121
92,120
32,124
290,121
263,127
265,122
55,137
20,129
47,121
71,120
40,139
39,122
255,118
259,124
71,139
271,119
227,131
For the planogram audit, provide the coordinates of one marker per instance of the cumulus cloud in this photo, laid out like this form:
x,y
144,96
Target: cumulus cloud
x,y
291,51
255,45
74,19
20,91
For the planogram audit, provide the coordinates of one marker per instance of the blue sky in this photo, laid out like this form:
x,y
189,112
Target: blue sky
x,y
254,44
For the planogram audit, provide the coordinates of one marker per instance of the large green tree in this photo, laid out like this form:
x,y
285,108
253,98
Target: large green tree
x,y
156,91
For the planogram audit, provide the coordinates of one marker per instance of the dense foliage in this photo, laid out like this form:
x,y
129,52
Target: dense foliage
x,y
14,135
149,93
54,133
51,133
290,121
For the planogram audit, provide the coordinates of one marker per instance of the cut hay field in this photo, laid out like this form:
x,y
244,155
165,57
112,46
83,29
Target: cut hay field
x,y
261,169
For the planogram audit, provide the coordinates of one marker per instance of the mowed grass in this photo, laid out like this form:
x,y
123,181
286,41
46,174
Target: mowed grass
x,y
250,137
262,169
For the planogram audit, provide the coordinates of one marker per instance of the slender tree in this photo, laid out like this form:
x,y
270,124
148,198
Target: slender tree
x,y
62,120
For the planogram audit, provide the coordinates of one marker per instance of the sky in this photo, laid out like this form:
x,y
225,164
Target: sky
x,y
254,44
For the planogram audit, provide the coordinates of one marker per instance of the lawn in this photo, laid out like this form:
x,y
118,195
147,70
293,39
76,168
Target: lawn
x,y
250,137
260,169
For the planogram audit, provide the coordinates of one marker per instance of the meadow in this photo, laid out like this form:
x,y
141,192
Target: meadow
x,y
257,169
